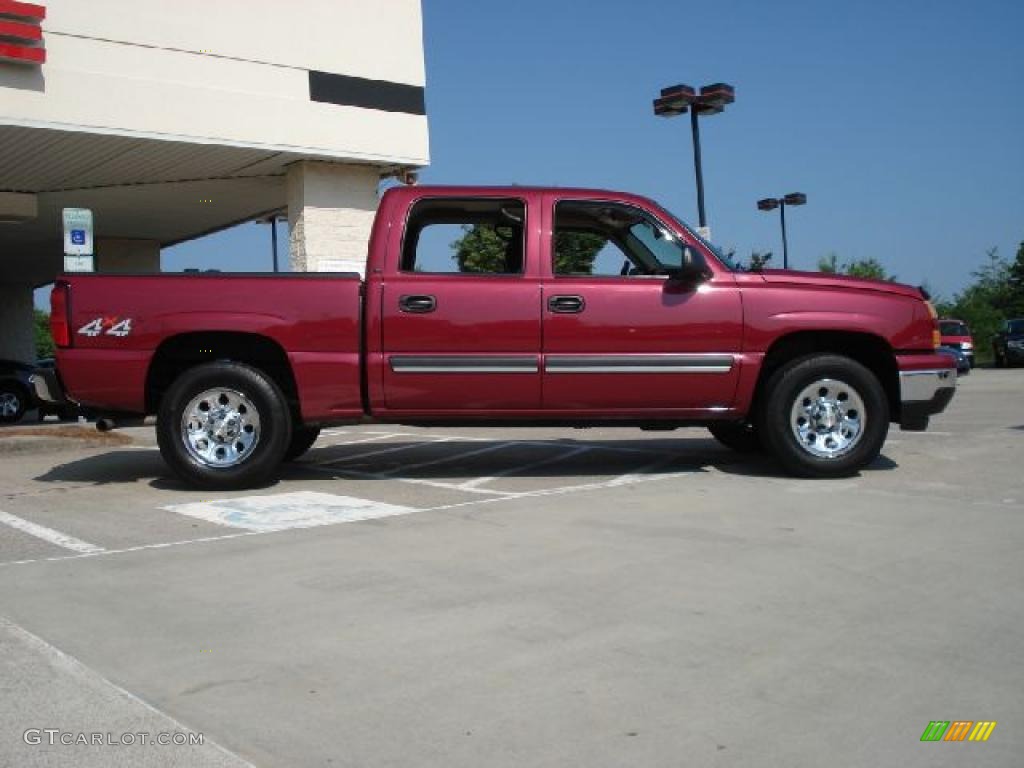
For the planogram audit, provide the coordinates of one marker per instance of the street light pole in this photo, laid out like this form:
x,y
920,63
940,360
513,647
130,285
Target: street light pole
x,y
712,99
698,170
785,243
770,204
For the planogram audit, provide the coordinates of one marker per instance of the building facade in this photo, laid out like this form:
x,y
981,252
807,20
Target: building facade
x,y
174,120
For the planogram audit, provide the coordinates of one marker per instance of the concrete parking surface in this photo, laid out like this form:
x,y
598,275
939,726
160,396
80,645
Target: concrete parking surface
x,y
481,597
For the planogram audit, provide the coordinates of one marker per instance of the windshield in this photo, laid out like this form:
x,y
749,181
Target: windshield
x,y
1015,327
954,328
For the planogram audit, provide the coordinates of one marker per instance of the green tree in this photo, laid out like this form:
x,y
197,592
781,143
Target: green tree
x,y
868,268
1015,303
44,341
872,268
988,301
829,264
759,260
575,252
482,248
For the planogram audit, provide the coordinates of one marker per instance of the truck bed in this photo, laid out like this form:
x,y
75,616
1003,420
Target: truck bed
x,y
128,323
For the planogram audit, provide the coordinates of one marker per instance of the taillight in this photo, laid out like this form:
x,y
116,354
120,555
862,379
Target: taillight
x,y
60,322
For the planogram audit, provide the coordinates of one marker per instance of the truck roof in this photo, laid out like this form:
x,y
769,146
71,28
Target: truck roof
x,y
511,190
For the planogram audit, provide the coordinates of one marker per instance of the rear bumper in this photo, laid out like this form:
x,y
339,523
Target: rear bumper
x,y
927,384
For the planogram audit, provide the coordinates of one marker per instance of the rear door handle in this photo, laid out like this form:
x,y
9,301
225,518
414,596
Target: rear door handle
x,y
566,305
417,304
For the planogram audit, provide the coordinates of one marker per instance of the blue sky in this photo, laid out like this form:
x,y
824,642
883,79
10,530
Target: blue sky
x,y
901,121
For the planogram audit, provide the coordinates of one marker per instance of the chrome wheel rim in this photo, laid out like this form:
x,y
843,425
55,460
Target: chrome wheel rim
x,y
220,427
828,418
9,404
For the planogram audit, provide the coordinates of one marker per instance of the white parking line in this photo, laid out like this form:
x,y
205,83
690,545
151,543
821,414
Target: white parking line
x,y
450,457
478,481
359,474
448,486
49,535
375,439
378,452
493,496
642,472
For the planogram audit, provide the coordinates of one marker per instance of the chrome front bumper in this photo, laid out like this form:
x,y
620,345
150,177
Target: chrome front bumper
x,y
924,385
923,393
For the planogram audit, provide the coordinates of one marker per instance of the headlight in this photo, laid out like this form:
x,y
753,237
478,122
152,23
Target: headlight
x,y
966,346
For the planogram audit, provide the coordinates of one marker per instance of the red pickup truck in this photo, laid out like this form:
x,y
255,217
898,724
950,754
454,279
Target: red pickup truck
x,y
511,306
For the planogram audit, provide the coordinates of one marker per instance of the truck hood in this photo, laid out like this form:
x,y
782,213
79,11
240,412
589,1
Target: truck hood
x,y
826,280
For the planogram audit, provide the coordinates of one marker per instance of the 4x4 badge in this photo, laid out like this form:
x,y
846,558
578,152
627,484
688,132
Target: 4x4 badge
x,y
110,326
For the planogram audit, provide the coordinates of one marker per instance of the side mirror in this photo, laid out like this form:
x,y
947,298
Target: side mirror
x,y
691,272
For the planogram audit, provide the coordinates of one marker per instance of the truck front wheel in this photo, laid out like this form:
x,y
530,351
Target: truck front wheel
x,y
224,426
302,440
824,416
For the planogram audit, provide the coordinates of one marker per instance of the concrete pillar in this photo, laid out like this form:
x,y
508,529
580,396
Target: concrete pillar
x,y
330,214
118,256
17,341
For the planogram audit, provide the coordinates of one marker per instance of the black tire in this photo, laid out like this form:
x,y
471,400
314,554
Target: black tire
x,y
272,431
302,440
1000,360
785,388
736,435
13,402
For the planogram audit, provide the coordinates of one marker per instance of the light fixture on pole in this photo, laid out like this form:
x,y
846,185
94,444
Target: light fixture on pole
x,y
712,99
771,203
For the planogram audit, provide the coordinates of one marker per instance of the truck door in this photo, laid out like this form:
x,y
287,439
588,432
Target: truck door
x,y
461,318
620,336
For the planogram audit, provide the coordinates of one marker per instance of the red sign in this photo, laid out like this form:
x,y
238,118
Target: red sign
x,y
21,32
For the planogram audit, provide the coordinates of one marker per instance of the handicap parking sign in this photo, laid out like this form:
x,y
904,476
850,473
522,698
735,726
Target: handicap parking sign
x,y
78,240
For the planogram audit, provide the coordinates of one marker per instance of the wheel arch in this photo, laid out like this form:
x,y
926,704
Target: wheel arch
x,y
870,350
179,353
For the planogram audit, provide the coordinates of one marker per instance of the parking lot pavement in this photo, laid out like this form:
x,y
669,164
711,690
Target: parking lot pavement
x,y
467,597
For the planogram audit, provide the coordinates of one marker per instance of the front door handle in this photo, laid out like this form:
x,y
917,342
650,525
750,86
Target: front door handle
x,y
566,305
417,304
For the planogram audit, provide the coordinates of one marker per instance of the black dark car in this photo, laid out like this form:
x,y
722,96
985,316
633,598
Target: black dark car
x,y
15,390
1008,344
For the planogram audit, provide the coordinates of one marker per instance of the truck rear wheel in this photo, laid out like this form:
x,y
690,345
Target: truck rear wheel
x,y
224,426
824,416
